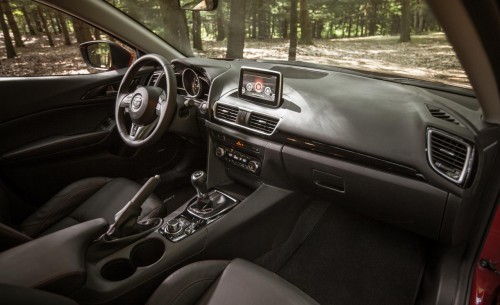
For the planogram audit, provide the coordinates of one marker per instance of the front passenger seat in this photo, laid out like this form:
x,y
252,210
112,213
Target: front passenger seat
x,y
227,283
80,201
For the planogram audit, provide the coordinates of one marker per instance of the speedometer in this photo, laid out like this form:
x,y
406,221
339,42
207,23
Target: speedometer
x,y
191,82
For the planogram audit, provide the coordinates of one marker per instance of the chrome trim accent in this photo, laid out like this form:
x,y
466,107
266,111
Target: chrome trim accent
x,y
469,157
194,212
196,77
242,126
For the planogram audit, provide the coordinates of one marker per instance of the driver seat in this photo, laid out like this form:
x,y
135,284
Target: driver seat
x,y
83,200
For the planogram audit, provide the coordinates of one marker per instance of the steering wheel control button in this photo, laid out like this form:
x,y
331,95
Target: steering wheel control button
x,y
133,131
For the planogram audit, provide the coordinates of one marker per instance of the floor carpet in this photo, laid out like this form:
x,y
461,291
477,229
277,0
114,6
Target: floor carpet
x,y
352,260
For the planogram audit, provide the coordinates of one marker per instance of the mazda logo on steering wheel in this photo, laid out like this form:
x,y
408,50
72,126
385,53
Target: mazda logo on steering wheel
x,y
136,102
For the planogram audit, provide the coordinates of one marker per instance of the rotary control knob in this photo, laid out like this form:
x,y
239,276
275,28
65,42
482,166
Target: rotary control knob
x,y
253,166
173,226
220,152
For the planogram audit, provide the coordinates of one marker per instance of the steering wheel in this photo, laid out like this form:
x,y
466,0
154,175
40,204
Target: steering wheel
x,y
151,109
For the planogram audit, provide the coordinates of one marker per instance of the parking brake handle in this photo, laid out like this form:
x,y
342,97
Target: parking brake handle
x,y
126,219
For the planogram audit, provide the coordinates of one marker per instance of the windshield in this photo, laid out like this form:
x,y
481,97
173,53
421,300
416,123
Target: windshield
x,y
396,37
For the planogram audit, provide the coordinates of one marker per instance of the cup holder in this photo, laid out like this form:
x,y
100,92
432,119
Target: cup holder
x,y
144,254
117,270
147,253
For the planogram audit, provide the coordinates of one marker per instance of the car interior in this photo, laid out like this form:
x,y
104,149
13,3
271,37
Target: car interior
x,y
183,180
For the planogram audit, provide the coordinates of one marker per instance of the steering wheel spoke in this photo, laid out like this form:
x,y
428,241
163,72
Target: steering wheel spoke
x,y
140,132
125,100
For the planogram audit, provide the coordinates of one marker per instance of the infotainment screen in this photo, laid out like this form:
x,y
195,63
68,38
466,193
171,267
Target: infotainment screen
x,y
261,86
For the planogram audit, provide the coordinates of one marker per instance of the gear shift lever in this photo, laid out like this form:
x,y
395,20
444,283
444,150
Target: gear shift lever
x,y
199,181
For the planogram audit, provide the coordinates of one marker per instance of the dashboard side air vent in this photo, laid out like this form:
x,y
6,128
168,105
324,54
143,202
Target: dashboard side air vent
x,y
262,123
442,115
449,155
226,113
154,78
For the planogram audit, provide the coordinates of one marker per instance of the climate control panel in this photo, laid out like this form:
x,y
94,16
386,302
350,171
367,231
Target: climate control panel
x,y
238,158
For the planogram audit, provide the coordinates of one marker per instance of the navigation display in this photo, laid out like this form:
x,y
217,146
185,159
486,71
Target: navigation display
x,y
261,86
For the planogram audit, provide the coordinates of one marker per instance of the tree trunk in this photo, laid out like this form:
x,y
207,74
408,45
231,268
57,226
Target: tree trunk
x,y
342,22
97,34
284,29
176,29
26,15
405,21
221,33
319,29
82,31
52,23
263,22
236,35
292,51
7,9
305,24
45,26
64,29
9,47
372,17
197,31
254,26
349,27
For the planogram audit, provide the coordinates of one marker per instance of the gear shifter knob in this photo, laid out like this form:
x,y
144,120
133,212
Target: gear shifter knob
x,y
199,181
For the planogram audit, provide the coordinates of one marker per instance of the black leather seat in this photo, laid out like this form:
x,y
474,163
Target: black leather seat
x,y
202,283
227,282
80,201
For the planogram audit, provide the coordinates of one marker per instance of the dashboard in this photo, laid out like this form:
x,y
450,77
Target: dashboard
x,y
403,154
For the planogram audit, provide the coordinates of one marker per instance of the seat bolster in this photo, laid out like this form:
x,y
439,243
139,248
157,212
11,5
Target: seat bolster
x,y
11,237
187,285
244,283
63,203
15,295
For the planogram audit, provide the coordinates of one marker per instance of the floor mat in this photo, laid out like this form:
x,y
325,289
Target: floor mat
x,y
350,259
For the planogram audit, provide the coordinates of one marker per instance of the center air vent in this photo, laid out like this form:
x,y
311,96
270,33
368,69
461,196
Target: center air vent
x,y
227,113
449,155
247,119
263,123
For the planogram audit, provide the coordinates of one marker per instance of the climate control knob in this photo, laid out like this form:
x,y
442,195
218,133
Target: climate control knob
x,y
253,166
220,152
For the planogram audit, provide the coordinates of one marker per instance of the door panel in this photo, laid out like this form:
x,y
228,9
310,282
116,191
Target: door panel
x,y
56,130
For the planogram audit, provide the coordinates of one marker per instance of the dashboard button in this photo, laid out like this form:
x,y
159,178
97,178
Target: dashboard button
x,y
253,166
220,152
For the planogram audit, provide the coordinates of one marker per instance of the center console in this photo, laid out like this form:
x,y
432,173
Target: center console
x,y
202,210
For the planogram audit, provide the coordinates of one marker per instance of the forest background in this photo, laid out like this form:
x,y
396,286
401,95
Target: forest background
x,y
393,36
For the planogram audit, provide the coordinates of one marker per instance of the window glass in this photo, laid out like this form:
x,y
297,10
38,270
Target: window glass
x,y
396,37
36,40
